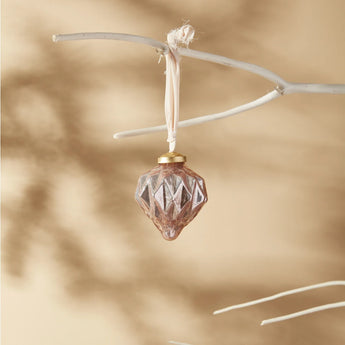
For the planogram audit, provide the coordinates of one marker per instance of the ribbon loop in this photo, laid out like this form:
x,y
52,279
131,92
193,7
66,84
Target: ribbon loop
x,y
181,36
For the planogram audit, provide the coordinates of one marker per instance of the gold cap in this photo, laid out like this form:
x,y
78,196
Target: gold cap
x,y
171,157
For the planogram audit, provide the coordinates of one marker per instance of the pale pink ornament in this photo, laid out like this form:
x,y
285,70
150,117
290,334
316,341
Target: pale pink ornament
x,y
171,194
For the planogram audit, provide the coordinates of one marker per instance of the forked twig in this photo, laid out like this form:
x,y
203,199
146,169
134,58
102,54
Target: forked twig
x,y
282,87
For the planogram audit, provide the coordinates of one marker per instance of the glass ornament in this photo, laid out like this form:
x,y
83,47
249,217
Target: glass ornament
x,y
171,194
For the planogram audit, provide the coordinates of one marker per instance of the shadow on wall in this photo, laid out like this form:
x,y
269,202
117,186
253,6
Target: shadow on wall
x,y
61,84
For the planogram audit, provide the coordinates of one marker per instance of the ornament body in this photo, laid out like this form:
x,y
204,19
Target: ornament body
x,y
171,195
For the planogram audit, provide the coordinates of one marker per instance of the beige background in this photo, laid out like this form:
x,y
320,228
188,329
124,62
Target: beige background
x,y
81,263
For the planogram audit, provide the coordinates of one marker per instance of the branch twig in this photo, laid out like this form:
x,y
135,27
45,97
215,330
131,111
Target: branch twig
x,y
279,295
112,36
202,119
304,312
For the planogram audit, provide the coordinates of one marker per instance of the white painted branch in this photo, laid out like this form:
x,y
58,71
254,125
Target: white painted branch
x,y
112,36
222,60
304,312
281,294
206,118
314,88
283,87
